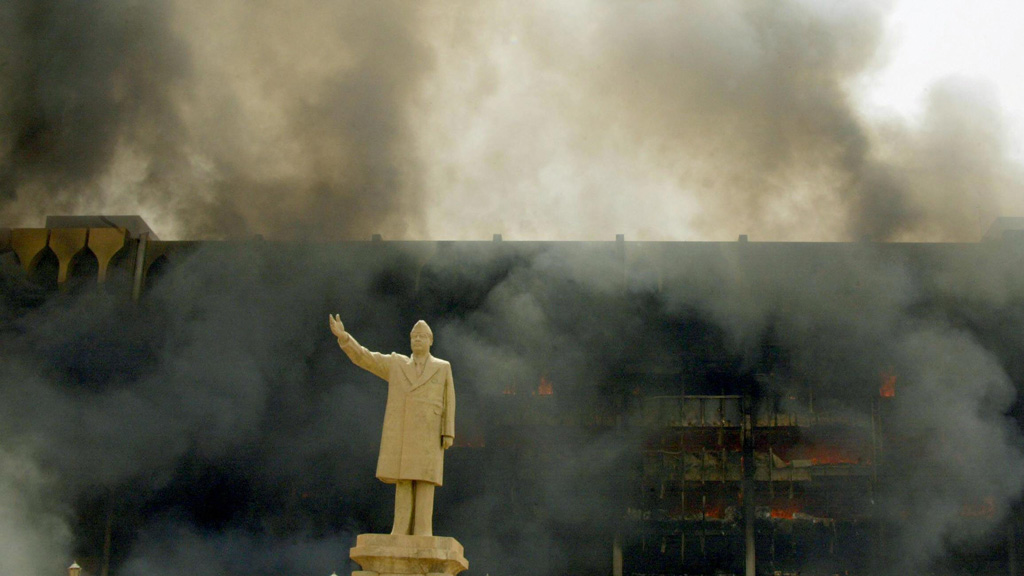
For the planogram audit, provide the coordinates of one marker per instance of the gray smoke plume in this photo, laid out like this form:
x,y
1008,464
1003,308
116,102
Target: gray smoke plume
x,y
702,120
139,402
34,533
928,316
210,122
662,120
81,83
217,416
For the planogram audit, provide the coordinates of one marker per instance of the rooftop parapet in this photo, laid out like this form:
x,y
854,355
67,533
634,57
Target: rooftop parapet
x,y
134,225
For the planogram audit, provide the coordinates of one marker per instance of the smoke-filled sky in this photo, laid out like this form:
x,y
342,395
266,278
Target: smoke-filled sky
x,y
792,120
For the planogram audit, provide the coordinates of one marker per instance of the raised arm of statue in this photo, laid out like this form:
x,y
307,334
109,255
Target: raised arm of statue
x,y
338,327
373,362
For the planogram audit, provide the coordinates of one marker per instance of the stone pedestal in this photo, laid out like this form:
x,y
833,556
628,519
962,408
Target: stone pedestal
x,y
387,555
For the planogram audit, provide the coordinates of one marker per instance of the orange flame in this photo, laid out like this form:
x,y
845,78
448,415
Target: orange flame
x,y
888,387
713,512
545,388
509,390
785,510
819,455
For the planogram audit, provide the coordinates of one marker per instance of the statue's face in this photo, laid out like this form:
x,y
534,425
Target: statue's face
x,y
420,340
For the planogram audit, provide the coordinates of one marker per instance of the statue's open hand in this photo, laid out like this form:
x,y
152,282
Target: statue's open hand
x,y
446,442
337,327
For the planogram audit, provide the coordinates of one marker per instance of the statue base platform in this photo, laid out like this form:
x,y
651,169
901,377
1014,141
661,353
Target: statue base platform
x,y
388,555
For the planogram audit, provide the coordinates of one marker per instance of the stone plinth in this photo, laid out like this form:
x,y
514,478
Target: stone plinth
x,y
387,555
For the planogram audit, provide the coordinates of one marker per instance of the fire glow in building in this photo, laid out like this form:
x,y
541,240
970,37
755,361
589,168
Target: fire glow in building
x,y
625,408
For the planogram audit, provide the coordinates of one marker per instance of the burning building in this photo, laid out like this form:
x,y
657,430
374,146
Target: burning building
x,y
626,408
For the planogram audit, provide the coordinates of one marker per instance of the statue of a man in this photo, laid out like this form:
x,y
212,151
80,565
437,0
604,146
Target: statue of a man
x,y
419,422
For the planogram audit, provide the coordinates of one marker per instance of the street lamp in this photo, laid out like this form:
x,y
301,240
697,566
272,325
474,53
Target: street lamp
x,y
74,569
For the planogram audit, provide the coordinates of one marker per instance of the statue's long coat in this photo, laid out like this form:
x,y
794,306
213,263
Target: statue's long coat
x,y
420,410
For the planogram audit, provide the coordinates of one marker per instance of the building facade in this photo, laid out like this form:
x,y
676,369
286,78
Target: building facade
x,y
626,408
